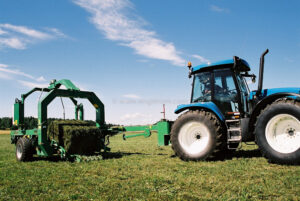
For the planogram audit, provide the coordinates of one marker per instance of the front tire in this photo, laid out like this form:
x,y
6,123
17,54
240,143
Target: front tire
x,y
278,132
197,135
24,150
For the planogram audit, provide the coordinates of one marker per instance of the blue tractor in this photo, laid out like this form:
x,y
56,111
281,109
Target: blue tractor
x,y
223,113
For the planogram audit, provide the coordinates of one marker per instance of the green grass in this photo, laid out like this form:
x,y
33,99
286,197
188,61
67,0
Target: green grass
x,y
139,170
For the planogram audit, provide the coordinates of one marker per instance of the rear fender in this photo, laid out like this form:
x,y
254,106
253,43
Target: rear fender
x,y
210,106
266,101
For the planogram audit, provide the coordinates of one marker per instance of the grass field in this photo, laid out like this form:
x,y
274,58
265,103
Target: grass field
x,y
139,170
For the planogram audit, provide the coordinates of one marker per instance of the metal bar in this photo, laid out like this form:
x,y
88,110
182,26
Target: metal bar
x,y
24,96
162,128
146,133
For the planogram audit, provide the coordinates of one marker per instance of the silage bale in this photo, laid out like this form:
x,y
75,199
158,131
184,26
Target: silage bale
x,y
82,139
77,137
55,128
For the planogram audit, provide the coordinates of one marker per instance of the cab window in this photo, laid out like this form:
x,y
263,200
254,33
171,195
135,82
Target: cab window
x,y
202,87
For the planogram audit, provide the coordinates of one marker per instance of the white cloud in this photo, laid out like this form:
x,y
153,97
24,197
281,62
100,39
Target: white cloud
x,y
57,32
15,43
219,9
83,87
26,31
18,37
41,79
15,72
132,116
201,59
143,60
109,17
3,66
2,32
31,85
9,73
136,118
5,76
131,96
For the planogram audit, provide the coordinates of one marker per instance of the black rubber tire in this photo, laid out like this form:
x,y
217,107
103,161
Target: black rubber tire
x,y
217,139
282,106
24,149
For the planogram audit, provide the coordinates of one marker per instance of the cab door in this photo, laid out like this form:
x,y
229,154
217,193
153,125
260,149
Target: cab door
x,y
225,93
244,93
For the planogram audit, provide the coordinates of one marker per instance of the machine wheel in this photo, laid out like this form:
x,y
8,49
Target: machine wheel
x,y
24,150
197,135
277,132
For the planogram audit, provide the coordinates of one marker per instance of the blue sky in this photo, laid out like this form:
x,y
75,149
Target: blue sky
x,y
133,53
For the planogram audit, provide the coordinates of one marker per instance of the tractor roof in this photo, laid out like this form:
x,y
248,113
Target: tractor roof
x,y
235,63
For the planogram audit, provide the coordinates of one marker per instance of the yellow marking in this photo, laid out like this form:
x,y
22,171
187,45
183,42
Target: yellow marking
x,y
16,122
96,106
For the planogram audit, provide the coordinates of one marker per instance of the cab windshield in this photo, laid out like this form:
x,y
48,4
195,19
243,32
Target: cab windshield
x,y
202,87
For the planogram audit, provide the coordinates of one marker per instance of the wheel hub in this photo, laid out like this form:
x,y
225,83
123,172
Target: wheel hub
x,y
291,132
198,136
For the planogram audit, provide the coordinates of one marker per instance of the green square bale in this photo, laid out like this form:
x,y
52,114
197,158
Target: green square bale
x,y
77,137
82,140
55,128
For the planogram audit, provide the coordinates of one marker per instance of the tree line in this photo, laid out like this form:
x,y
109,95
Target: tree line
x,y
31,123
6,123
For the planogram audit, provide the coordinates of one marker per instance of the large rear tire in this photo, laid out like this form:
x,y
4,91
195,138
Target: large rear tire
x,y
24,150
197,135
277,132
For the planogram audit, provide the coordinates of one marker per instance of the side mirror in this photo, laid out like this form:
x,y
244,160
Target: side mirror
x,y
253,79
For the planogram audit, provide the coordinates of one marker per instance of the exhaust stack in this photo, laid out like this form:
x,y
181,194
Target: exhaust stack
x,y
261,72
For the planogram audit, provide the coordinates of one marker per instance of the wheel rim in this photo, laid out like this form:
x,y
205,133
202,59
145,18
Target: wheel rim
x,y
19,151
283,133
194,137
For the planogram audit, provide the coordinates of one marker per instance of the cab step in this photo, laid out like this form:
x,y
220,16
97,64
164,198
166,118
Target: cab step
x,y
234,133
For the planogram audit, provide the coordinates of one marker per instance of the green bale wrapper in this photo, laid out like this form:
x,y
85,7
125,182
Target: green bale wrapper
x,y
77,137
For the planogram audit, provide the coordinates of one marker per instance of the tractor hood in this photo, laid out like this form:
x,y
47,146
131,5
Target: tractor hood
x,y
268,92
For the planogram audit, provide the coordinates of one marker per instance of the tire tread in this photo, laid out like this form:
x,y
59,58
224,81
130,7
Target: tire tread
x,y
27,149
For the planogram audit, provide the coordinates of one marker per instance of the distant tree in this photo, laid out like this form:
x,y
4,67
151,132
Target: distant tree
x,y
109,125
5,123
31,122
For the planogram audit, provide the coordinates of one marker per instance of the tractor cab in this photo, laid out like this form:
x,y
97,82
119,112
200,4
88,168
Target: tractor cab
x,y
222,83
